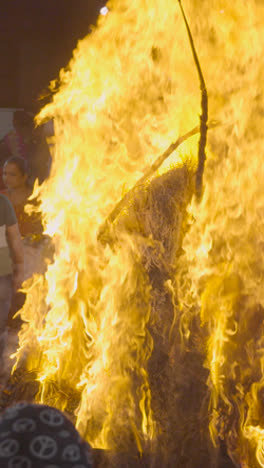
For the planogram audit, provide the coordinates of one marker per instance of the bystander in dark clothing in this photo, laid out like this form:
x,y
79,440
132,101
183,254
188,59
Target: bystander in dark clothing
x,y
39,436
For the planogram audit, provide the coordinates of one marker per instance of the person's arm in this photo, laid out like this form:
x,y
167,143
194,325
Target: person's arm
x,y
16,250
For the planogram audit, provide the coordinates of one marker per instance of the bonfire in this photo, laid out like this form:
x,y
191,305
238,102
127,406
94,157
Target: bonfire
x,y
147,326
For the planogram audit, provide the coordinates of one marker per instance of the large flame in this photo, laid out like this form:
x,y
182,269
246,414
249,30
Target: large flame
x,y
131,89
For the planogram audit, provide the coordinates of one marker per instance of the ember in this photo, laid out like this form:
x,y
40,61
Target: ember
x,y
150,331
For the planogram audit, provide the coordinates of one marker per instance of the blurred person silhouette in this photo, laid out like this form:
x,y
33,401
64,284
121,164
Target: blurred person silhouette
x,y
16,141
11,265
18,191
40,436
39,155
27,142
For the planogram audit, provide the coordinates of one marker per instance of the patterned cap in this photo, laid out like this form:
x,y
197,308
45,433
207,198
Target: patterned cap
x,y
39,436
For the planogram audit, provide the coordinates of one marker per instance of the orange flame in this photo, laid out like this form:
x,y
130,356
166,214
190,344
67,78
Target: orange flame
x,y
129,91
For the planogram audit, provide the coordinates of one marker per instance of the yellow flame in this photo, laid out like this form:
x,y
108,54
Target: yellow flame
x,y
129,91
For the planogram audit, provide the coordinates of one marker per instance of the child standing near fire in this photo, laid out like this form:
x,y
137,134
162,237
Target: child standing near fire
x,y
18,191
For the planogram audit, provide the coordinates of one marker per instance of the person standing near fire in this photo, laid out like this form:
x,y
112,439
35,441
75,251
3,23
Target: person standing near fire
x,y
28,143
18,191
11,263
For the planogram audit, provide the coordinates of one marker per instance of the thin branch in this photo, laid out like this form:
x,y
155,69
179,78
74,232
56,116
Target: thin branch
x,y
148,172
204,114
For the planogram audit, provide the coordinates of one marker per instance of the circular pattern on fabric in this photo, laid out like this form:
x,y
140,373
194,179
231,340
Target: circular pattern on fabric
x,y
51,417
24,425
9,447
20,462
10,413
21,405
64,434
43,447
3,435
79,466
51,466
13,411
71,453
35,435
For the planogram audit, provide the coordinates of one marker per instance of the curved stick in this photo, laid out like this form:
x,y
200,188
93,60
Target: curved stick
x,y
203,116
149,171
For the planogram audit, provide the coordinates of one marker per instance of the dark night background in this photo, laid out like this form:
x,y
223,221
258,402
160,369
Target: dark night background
x,y
37,38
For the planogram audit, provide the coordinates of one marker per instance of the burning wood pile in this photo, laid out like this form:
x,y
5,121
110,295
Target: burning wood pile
x,y
148,324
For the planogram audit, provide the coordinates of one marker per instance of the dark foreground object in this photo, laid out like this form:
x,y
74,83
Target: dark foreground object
x,y
23,386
